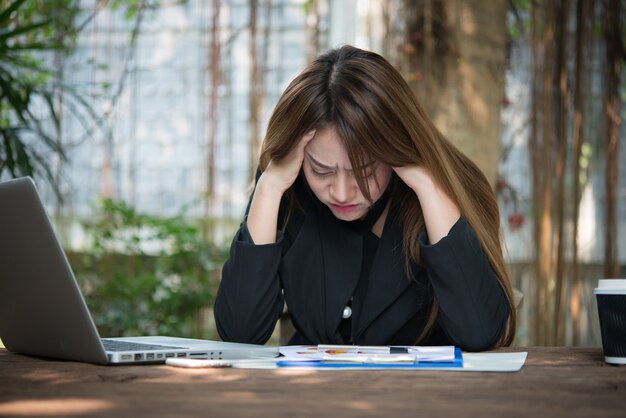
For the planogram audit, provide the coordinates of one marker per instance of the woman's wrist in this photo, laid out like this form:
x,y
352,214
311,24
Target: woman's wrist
x,y
425,187
273,183
439,210
263,213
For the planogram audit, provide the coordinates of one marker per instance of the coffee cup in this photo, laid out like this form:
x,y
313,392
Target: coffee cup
x,y
611,298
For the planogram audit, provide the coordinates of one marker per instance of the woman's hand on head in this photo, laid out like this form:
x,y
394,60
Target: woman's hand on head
x,y
439,210
278,176
418,178
281,174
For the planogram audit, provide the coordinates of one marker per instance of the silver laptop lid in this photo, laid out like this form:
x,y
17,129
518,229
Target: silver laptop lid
x,y
42,311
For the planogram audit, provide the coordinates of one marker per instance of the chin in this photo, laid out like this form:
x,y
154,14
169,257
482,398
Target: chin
x,y
350,216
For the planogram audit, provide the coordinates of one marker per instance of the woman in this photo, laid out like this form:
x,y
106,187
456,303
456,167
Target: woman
x,y
366,221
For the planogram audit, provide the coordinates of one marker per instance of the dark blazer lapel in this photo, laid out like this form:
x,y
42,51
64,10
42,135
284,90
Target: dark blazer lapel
x,y
342,254
388,278
302,274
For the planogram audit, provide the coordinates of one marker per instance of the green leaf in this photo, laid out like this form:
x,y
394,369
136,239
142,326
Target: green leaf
x,y
18,99
23,160
4,36
6,14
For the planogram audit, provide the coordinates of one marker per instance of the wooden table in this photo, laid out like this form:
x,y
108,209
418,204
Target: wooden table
x,y
554,382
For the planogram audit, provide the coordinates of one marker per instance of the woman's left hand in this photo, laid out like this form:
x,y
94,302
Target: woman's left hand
x,y
439,210
416,177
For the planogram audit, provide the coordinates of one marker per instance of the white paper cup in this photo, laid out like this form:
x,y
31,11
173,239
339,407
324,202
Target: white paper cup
x,y
611,298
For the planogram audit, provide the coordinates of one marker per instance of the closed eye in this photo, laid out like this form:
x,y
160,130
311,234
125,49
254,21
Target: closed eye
x,y
320,173
318,169
369,173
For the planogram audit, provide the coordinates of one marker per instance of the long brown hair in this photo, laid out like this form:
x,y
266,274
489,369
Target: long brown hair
x,y
379,118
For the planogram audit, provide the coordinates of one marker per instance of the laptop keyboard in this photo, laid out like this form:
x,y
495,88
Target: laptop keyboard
x,y
115,345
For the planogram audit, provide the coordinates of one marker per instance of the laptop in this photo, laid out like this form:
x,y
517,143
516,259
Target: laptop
x,y
43,312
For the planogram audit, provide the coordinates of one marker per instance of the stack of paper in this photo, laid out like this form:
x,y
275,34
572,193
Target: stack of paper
x,y
387,356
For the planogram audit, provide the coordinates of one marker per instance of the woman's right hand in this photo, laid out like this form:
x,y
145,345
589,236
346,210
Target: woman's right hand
x,y
281,174
275,180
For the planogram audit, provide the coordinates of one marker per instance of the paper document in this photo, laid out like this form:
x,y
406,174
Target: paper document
x,y
369,358
366,354
373,357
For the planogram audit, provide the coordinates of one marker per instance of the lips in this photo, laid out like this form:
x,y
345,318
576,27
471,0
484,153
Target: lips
x,y
343,208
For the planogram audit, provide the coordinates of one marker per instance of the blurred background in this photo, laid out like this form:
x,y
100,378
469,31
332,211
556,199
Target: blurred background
x,y
141,121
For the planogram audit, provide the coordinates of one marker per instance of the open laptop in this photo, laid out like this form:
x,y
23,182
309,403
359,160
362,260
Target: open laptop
x,y
42,311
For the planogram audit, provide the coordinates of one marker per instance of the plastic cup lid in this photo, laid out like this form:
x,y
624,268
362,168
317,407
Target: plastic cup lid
x,y
611,285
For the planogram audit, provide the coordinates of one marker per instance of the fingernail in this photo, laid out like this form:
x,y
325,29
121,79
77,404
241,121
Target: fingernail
x,y
311,132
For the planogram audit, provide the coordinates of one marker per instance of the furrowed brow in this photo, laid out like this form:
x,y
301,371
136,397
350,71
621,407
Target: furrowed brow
x,y
317,163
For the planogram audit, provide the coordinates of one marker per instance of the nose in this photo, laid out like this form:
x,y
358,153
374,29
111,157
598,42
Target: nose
x,y
342,187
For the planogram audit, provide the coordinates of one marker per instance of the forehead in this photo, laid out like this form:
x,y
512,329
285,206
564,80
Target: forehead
x,y
327,148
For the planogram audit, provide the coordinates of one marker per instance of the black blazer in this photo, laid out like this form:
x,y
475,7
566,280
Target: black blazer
x,y
314,267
